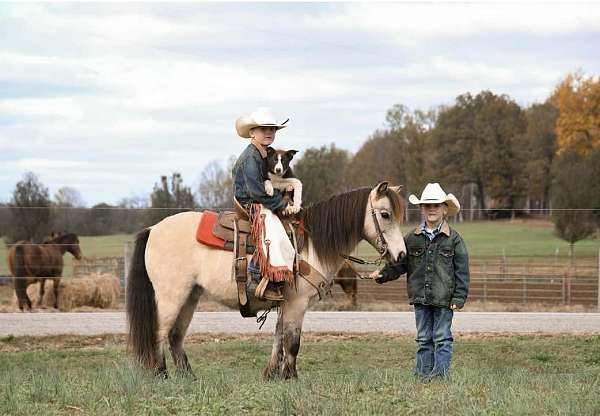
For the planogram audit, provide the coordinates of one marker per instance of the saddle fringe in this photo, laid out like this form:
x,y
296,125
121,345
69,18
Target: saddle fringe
x,y
275,274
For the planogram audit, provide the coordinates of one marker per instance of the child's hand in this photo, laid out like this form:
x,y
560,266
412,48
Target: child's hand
x,y
269,187
454,307
391,271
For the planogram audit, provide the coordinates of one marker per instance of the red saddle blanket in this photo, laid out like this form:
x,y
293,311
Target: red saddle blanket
x,y
204,233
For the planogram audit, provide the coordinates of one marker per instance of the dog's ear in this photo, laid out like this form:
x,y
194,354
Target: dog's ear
x,y
291,153
270,151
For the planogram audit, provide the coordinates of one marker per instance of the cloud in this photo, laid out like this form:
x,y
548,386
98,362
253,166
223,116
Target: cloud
x,y
108,97
65,108
413,21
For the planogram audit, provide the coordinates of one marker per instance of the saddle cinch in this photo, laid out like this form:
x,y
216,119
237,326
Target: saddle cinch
x,y
230,230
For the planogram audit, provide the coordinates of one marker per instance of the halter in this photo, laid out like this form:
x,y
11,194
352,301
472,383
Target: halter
x,y
382,246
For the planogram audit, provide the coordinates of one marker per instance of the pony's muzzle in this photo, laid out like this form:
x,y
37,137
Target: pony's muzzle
x,y
400,257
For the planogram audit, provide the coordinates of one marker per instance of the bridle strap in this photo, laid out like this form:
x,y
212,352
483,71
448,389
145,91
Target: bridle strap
x,y
382,246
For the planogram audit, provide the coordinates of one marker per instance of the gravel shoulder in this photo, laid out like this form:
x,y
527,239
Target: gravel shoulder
x,y
98,323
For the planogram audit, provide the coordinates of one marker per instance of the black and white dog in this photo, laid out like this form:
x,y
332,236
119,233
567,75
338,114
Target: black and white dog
x,y
281,177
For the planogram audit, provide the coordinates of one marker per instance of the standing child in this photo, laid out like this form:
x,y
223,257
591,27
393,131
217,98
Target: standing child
x,y
437,268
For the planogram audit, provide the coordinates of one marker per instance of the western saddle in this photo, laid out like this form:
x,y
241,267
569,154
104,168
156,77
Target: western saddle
x,y
234,228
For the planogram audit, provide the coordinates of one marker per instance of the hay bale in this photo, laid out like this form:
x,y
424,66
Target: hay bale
x,y
96,290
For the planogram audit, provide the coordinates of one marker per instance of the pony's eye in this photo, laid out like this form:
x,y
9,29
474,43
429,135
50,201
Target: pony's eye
x,y
385,215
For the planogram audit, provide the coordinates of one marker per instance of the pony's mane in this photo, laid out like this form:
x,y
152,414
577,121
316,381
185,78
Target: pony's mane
x,y
335,226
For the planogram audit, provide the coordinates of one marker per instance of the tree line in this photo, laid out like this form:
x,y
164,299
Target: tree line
x,y
498,158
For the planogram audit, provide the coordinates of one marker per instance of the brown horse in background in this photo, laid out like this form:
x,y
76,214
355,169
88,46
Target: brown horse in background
x,y
31,263
347,277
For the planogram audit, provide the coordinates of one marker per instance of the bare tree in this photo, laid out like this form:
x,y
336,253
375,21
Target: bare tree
x,y
130,213
68,197
215,188
67,210
30,210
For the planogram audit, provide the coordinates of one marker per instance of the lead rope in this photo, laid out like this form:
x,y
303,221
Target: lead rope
x,y
263,317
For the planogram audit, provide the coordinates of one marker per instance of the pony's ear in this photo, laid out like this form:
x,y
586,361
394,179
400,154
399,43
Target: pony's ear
x,y
291,153
396,189
381,188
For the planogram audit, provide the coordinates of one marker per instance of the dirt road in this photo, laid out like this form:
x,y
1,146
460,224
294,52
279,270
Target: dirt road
x,y
94,323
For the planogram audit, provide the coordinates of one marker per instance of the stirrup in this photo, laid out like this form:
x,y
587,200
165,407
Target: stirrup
x,y
263,292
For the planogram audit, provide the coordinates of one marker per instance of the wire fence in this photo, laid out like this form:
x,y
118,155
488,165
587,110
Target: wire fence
x,y
518,270
540,281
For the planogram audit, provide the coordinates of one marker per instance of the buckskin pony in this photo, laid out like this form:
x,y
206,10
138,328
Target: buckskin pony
x,y
31,263
170,270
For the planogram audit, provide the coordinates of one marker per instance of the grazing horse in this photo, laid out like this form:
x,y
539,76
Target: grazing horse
x,y
170,270
31,263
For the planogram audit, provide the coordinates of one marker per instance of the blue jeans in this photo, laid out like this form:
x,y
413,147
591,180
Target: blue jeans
x,y
254,271
434,340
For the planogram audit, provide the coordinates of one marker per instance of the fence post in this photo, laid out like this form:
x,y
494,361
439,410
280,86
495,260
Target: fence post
x,y
569,279
598,304
485,280
126,260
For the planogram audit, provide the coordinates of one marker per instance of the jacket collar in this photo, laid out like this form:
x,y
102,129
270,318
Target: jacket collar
x,y
261,149
445,229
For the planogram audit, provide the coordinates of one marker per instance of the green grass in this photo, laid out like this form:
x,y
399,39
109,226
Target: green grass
x,y
520,239
512,239
359,375
104,246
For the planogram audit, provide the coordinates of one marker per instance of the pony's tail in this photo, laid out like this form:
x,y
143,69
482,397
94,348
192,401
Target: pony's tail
x,y
141,306
20,281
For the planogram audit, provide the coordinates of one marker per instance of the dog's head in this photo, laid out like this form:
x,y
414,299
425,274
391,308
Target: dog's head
x,y
278,161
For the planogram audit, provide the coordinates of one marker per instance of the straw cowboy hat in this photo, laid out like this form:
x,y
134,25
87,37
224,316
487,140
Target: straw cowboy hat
x,y
261,117
434,194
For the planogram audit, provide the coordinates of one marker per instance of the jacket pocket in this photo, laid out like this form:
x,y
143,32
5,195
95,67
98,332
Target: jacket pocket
x,y
446,262
446,254
415,257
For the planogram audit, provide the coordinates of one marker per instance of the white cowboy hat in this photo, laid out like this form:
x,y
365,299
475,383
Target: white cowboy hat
x,y
434,194
261,117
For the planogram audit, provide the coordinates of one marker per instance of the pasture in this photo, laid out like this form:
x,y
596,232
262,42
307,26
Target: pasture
x,y
523,242
338,374
519,238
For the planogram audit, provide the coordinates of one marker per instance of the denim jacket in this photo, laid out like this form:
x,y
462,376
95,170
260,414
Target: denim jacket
x,y
438,269
249,175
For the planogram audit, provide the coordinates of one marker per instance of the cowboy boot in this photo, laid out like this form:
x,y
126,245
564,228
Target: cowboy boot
x,y
267,290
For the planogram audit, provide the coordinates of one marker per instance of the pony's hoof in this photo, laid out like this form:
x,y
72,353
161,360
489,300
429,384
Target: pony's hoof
x,y
289,373
161,374
270,374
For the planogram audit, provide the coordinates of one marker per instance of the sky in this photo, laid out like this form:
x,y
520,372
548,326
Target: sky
x,y
105,98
